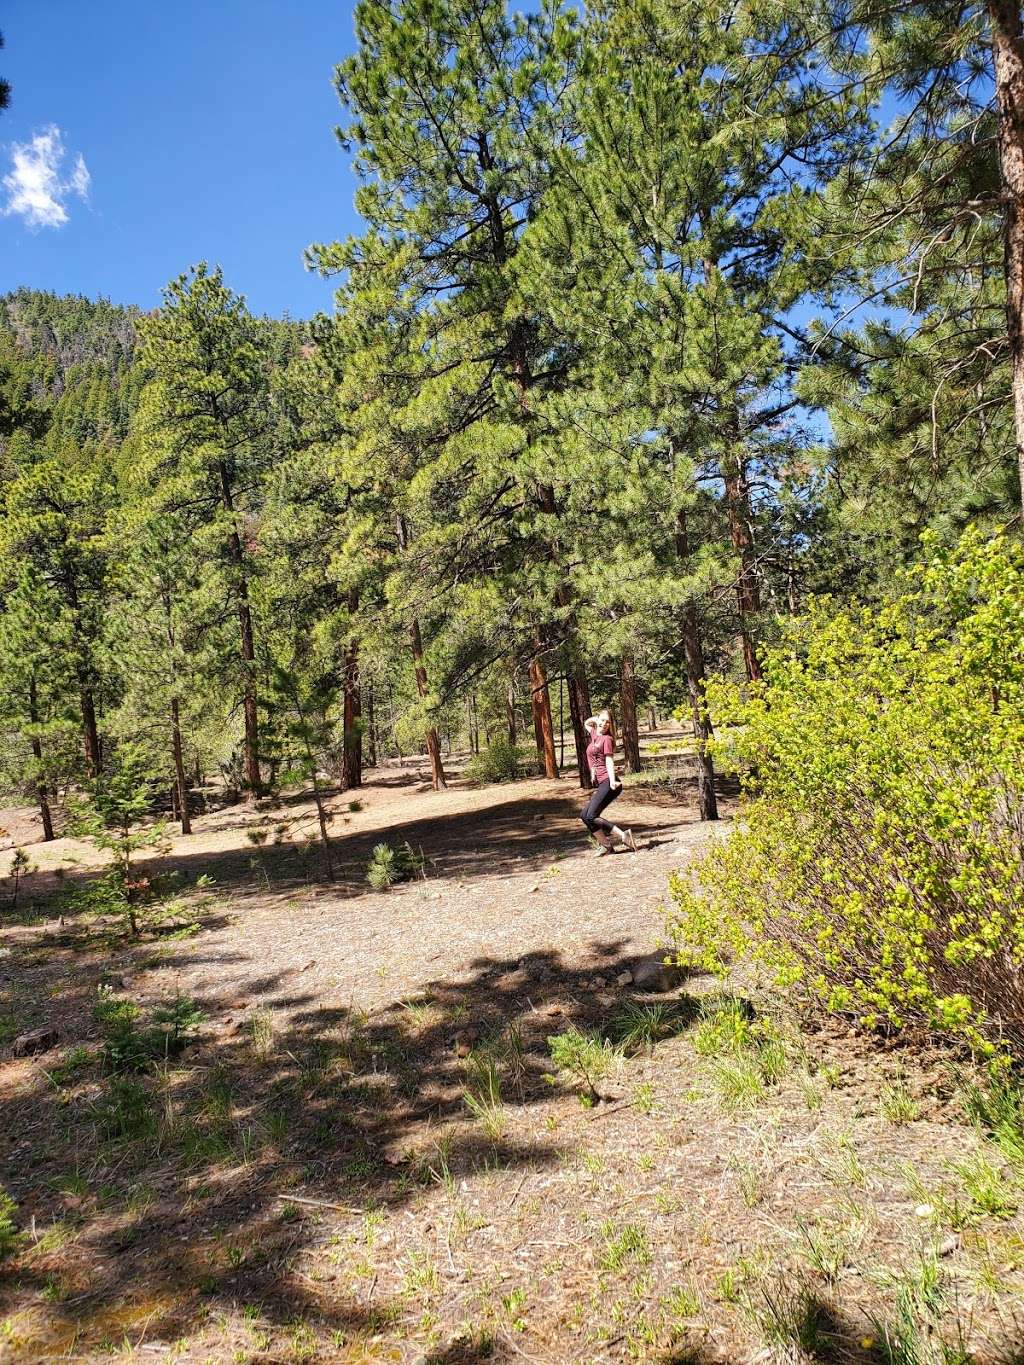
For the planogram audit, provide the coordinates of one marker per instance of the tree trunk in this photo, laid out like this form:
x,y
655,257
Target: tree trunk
x,y
352,747
652,718
510,712
630,729
707,802
579,710
748,594
561,721
37,754
250,746
90,733
181,785
371,726
433,745
693,656
540,704
1008,55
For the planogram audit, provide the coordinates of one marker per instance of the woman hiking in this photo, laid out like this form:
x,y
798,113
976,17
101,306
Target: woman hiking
x,y
601,761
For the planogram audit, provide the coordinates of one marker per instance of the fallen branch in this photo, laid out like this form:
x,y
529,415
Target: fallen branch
x,y
317,1203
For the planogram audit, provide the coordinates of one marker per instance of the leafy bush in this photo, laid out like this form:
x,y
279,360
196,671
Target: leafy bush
x,y
388,866
878,869
501,761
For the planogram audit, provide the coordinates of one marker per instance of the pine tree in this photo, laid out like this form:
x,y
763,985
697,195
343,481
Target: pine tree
x,y
202,433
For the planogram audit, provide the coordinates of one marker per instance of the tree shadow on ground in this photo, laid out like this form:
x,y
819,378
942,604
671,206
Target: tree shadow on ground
x,y
517,834
178,1188
263,1151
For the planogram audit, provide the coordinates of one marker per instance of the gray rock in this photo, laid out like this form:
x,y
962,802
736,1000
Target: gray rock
x,y
657,977
624,979
39,1040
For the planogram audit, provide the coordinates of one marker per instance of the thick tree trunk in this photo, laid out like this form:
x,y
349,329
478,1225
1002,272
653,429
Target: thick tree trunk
x,y
37,754
579,710
181,785
433,744
693,657
748,594
352,750
1008,55
627,700
540,703
250,745
90,732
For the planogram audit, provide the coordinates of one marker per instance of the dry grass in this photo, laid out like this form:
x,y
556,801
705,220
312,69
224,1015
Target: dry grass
x,y
322,1176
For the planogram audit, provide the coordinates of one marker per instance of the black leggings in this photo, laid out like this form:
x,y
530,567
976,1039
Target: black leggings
x,y
591,812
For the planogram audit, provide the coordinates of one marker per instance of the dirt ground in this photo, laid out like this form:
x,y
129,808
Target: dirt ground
x,y
365,1152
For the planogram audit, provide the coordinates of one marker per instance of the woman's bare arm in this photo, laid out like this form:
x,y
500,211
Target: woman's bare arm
x,y
610,765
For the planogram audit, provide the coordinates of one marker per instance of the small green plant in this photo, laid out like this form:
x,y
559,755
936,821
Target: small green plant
x,y
19,869
112,813
388,866
482,1095
126,1047
738,1082
8,1229
355,807
997,1107
637,1027
643,1098
628,1245
587,1058
723,1027
125,1113
896,1102
77,1059
788,1315
830,1246
988,1192
513,1304
261,1032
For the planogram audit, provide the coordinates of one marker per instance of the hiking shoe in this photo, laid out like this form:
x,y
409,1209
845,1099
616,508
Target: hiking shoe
x,y
601,850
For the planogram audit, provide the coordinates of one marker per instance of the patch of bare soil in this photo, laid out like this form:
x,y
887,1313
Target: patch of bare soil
x,y
366,1152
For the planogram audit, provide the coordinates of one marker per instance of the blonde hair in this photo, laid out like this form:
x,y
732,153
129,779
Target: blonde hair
x,y
606,712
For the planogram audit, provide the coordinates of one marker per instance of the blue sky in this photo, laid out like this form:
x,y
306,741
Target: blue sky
x,y
201,129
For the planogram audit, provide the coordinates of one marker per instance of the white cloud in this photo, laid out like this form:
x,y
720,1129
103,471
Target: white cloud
x,y
36,187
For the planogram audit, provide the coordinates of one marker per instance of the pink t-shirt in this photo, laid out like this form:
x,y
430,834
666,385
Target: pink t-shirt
x,y
599,750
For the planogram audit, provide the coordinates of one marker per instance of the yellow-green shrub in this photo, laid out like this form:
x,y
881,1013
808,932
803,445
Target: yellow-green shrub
x,y
877,868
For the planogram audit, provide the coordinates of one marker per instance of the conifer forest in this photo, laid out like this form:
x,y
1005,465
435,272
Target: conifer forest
x,y
677,371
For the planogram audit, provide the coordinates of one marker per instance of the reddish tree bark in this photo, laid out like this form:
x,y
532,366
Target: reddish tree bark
x,y
627,701
540,704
